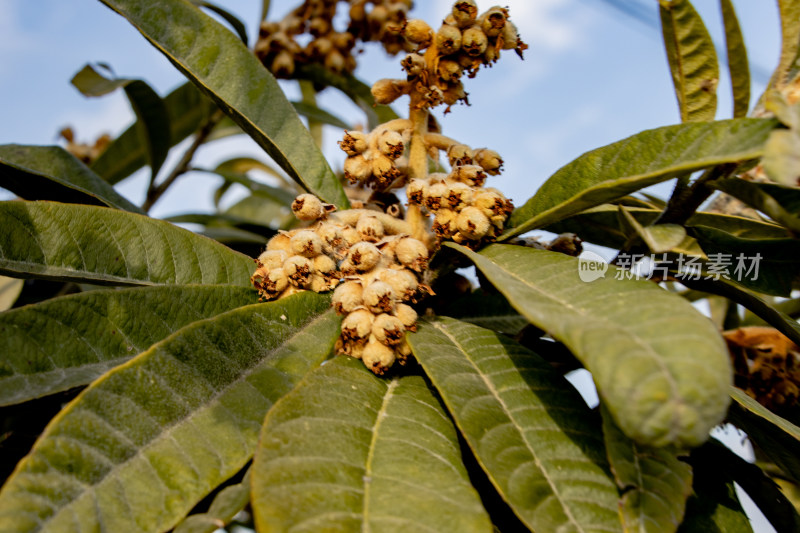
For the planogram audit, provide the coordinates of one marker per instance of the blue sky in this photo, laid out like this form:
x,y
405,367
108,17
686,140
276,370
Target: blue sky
x,y
591,76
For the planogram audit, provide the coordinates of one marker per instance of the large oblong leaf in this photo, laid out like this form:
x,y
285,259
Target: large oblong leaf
x,y
104,246
66,342
348,451
223,68
531,432
692,60
779,202
51,173
778,438
151,113
649,157
660,367
738,67
655,482
143,444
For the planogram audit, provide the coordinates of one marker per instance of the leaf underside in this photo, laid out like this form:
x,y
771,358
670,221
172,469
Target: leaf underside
x,y
531,432
143,444
661,368
348,451
104,246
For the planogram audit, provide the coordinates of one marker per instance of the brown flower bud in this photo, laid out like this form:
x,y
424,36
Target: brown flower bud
x,y
474,41
357,326
363,256
472,175
418,32
324,265
416,190
444,223
384,171
472,223
347,297
510,37
308,207
434,196
403,351
281,241
379,297
299,270
491,202
390,143
351,236
283,65
377,356
403,282
413,64
449,71
458,195
465,12
306,243
448,39
320,283
454,93
273,258
331,236
370,228
407,316
334,61
459,154
343,41
489,160
493,21
386,91
412,253
357,169
270,284
319,26
353,142
388,329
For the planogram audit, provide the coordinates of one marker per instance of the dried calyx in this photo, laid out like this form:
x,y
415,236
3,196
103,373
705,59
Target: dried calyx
x,y
279,47
376,261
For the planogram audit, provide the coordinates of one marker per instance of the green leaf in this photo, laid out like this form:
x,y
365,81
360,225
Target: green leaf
x,y
658,237
358,91
262,211
70,341
348,451
10,290
736,293
655,482
714,506
487,310
225,506
761,489
639,161
789,307
692,60
660,367
788,114
151,113
224,69
531,432
52,173
230,18
143,444
601,225
320,115
187,109
789,63
219,220
779,202
738,67
235,170
782,157
103,246
778,438
768,266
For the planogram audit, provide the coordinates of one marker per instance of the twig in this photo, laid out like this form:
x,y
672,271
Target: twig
x,y
154,192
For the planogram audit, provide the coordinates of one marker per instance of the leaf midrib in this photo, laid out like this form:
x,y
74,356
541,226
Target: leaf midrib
x,y
178,422
387,396
647,349
520,430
